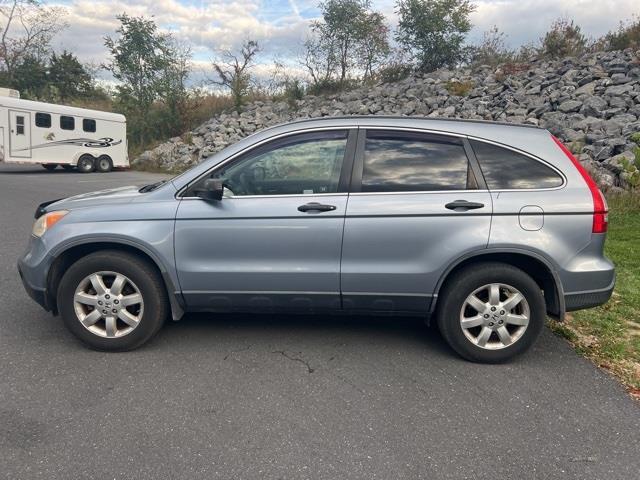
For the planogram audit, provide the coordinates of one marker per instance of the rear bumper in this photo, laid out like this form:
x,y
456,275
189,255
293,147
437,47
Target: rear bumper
x,y
588,299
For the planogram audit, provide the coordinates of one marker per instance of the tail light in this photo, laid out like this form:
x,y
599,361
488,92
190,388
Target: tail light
x,y
600,208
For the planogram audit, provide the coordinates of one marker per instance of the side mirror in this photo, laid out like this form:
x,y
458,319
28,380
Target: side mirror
x,y
213,189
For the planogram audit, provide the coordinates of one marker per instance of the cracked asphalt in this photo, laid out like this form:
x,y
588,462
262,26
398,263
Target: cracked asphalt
x,y
271,397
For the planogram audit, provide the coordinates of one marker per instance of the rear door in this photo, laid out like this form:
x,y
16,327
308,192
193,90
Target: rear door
x,y
20,133
275,239
417,204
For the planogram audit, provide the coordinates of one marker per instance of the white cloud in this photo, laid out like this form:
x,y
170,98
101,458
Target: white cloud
x,y
281,26
527,20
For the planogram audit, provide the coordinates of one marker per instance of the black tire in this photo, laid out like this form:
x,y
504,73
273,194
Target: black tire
x,y
50,166
67,168
86,164
146,278
104,164
468,280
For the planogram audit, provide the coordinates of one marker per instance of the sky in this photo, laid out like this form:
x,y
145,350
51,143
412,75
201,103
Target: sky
x,y
281,26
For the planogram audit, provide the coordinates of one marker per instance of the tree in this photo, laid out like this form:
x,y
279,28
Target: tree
x,y
141,57
373,49
433,31
564,39
234,72
349,40
27,31
69,77
30,77
174,92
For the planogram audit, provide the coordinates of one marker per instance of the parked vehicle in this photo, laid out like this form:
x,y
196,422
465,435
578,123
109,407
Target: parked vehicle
x,y
485,228
53,135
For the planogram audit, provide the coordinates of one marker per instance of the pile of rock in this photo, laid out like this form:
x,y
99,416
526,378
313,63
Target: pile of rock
x,y
592,103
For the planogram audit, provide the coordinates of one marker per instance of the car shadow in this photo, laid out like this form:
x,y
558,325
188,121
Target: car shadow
x,y
373,328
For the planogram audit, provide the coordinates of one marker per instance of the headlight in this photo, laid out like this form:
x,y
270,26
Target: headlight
x,y
46,221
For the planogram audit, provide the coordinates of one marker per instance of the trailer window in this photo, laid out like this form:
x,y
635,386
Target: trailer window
x,y
43,120
19,125
88,125
67,123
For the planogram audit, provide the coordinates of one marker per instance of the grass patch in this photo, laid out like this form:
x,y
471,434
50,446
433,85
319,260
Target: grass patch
x,y
459,89
610,334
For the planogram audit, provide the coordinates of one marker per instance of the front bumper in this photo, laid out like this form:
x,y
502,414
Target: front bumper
x,y
38,294
33,267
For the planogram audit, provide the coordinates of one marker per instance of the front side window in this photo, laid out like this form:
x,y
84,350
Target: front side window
x,y
88,125
19,125
308,163
67,123
504,169
43,120
405,161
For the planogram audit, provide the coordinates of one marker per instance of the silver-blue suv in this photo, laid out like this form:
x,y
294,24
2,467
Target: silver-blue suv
x,y
485,228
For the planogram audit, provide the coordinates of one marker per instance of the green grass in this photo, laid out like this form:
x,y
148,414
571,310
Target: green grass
x,y
610,334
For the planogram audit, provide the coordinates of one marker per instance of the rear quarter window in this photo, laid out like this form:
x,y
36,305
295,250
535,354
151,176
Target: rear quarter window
x,y
504,169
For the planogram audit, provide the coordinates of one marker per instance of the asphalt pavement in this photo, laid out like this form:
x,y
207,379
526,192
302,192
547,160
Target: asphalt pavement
x,y
286,397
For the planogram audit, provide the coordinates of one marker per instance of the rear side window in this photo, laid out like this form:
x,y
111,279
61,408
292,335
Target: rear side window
x,y
43,120
67,123
88,125
505,169
405,161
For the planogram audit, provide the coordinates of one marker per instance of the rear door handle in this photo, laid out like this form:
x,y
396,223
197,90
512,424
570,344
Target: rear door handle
x,y
316,207
463,205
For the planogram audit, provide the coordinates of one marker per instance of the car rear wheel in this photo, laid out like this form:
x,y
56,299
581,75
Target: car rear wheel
x,y
490,312
112,300
104,164
86,164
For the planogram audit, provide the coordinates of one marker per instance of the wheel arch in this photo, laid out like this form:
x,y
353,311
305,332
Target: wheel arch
x,y
535,265
66,256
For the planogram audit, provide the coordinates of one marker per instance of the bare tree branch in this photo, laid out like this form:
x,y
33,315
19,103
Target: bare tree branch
x,y
233,73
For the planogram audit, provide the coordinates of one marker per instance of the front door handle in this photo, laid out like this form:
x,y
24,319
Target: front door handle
x,y
463,205
316,207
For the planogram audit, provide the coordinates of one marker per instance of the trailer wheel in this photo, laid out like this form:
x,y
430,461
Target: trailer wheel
x,y
86,164
50,166
104,164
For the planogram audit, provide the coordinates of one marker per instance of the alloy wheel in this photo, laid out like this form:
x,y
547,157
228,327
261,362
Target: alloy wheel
x,y
108,304
494,316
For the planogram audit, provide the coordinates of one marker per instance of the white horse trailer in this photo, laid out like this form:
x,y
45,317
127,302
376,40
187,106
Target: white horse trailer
x,y
52,135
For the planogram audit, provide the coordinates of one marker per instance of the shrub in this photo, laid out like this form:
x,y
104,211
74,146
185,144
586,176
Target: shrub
x,y
492,50
564,39
627,35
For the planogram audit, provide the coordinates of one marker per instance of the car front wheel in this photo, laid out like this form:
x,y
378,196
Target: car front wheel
x,y
490,312
112,300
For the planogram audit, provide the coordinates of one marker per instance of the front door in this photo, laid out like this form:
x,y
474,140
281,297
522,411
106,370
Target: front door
x,y
274,240
20,133
417,205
